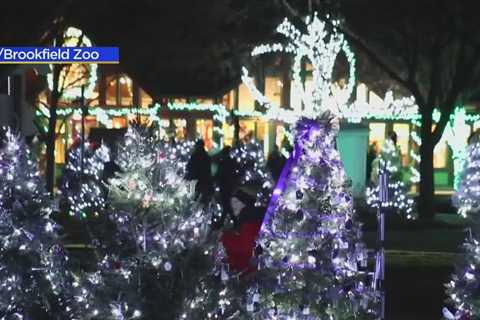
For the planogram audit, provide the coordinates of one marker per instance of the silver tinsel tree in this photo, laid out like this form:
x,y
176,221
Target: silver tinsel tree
x,y
32,260
154,243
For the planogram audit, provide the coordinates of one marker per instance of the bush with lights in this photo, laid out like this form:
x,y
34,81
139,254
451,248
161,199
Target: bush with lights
x,y
82,191
310,257
153,243
32,260
400,202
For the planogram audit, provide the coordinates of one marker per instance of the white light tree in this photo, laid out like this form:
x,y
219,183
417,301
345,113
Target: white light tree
x,y
467,197
32,259
154,242
82,189
388,161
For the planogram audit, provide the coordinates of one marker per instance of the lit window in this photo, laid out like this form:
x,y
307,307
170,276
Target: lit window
x,y
205,132
228,132
180,128
273,90
440,155
403,138
246,102
119,122
145,99
377,133
247,130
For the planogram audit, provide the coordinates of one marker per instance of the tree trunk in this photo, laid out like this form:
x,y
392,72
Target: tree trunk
x,y
426,197
50,142
52,134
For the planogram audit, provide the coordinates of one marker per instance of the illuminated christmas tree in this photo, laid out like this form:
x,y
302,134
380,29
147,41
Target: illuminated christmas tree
x,y
32,261
399,200
312,262
154,244
463,289
467,197
82,189
252,170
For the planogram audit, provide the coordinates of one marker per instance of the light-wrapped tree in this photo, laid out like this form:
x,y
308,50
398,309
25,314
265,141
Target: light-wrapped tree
x,y
312,262
467,197
399,200
154,243
82,191
32,260
463,288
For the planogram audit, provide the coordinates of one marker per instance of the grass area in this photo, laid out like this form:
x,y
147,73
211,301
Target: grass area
x,y
420,258
402,259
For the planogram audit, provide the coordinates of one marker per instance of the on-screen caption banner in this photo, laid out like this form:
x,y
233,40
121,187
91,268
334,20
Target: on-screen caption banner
x,y
52,55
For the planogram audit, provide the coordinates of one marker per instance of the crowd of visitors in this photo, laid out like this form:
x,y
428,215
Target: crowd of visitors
x,y
224,183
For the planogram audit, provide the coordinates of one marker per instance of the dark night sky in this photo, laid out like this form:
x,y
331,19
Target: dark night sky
x,y
196,48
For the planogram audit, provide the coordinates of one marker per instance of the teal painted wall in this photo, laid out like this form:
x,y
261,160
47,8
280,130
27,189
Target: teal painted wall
x,y
352,143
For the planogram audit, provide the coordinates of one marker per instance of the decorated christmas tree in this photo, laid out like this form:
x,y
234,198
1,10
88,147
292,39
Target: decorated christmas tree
x,y
32,261
463,288
82,189
313,263
310,260
467,197
252,170
154,243
399,201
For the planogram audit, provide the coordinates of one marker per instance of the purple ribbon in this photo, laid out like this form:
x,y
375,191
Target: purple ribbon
x,y
277,192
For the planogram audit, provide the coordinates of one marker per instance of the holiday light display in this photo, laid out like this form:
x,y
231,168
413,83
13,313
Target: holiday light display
x,y
389,161
82,189
252,170
32,261
312,263
321,48
462,289
154,243
467,197
309,250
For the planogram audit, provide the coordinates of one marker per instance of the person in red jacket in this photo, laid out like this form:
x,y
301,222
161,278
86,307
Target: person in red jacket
x,y
239,243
